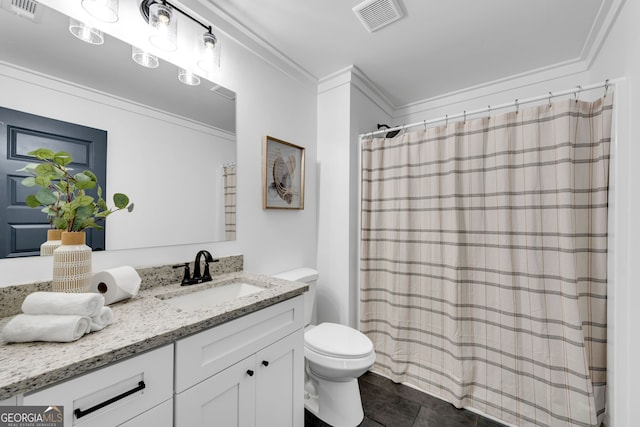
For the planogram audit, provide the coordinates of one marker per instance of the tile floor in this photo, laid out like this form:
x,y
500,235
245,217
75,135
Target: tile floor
x,y
395,405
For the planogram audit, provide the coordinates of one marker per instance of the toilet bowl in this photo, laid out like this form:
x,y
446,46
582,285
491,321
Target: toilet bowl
x,y
335,356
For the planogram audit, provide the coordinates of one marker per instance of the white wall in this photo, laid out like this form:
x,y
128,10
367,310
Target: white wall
x,y
332,293
270,100
619,58
346,108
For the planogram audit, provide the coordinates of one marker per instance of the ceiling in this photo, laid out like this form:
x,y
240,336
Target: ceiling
x,y
438,47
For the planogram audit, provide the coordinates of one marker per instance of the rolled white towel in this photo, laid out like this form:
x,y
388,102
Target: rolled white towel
x,y
82,304
46,327
101,320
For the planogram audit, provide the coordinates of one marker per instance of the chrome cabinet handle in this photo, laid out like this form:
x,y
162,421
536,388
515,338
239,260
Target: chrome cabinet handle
x,y
79,413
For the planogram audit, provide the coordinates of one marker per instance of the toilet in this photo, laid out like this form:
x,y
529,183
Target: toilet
x,y
335,356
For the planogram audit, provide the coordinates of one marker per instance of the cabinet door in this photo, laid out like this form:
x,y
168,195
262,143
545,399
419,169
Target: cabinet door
x,y
225,399
280,383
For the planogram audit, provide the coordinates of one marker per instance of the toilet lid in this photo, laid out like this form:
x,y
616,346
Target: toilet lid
x,y
332,339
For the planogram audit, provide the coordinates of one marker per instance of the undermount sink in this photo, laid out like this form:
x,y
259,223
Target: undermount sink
x,y
211,297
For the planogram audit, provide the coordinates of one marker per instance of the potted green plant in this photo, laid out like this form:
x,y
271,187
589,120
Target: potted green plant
x,y
63,197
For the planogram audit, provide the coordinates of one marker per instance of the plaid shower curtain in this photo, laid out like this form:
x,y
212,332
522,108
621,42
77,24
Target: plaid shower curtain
x,y
484,261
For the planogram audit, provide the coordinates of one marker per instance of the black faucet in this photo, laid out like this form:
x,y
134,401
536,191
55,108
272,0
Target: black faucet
x,y
206,277
197,277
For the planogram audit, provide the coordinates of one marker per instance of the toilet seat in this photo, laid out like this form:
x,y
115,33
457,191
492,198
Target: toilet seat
x,y
337,341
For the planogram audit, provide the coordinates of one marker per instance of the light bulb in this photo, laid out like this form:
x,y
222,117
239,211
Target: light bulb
x,y
207,59
164,27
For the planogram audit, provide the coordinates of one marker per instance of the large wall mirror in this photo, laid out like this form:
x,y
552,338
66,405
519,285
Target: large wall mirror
x,y
171,147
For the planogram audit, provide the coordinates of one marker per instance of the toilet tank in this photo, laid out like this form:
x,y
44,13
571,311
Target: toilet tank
x,y
305,275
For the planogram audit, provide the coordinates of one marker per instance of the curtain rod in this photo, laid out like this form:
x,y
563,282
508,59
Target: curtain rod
x,y
576,91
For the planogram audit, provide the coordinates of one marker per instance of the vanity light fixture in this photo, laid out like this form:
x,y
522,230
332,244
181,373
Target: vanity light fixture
x,y
187,77
162,17
84,32
104,10
164,26
144,58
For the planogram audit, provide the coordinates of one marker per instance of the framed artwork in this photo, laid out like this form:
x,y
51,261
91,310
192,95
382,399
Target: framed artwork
x,y
282,174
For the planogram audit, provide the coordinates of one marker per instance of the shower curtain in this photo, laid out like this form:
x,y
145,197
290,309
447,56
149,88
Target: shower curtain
x,y
484,261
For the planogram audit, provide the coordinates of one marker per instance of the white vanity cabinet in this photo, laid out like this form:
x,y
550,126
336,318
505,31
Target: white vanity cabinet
x,y
247,372
115,394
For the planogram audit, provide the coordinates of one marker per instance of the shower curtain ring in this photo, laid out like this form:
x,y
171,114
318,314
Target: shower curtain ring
x,y
606,87
489,110
465,117
517,105
576,93
446,120
550,99
425,125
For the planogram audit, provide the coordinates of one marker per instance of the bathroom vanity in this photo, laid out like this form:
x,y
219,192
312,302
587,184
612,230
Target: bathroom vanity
x,y
238,363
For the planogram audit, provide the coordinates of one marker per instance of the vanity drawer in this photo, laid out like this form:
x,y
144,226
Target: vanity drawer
x,y
204,354
113,394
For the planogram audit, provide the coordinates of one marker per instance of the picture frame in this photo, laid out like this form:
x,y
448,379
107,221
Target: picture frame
x,y
282,174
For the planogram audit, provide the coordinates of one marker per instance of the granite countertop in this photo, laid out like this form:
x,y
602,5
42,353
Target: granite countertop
x,y
140,324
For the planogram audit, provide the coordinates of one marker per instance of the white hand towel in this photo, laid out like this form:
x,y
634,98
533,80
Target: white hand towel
x,y
82,304
103,319
46,327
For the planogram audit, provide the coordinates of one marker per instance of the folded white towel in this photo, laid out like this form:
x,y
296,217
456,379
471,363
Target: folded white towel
x,y
46,327
82,304
101,320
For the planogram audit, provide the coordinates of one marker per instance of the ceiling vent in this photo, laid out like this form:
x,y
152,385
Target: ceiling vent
x,y
25,8
375,14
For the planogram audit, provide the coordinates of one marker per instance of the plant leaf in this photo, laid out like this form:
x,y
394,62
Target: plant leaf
x,y
42,181
62,158
31,201
84,181
60,223
85,200
90,175
29,181
46,197
42,153
46,169
120,200
102,205
29,168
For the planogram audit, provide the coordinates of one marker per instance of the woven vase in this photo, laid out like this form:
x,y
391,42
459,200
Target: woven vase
x,y
53,241
72,263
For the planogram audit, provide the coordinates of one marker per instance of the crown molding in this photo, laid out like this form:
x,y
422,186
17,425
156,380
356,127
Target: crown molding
x,y
250,40
354,76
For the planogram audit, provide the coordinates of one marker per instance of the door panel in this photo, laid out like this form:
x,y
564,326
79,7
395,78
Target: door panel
x,y
23,229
